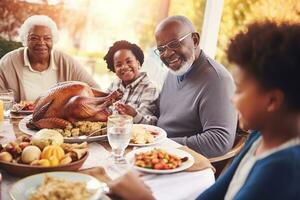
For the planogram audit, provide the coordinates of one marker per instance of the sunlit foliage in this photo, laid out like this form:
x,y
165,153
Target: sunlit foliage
x,y
238,13
193,9
102,22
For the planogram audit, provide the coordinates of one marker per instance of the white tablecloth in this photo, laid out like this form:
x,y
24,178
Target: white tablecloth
x,y
177,186
181,186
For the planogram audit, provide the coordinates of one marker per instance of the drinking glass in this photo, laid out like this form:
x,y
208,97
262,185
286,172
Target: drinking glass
x,y
119,133
7,97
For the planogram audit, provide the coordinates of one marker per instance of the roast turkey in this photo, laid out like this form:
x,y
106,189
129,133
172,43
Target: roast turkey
x,y
69,102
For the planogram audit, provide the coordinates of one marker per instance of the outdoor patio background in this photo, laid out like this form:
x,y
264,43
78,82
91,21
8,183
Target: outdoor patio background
x,y
89,27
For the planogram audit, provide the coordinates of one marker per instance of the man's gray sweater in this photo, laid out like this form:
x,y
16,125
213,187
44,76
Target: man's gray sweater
x,y
197,111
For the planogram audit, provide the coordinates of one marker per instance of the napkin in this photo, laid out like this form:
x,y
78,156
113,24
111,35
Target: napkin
x,y
97,172
201,162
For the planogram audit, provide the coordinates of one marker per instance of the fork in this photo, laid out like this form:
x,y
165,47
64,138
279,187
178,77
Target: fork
x,y
96,131
92,133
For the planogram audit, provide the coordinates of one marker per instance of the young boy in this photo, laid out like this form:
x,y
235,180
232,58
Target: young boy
x,y
267,97
139,100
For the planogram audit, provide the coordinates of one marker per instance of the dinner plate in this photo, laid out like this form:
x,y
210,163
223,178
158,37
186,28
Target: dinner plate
x,y
16,109
26,186
159,138
24,129
177,152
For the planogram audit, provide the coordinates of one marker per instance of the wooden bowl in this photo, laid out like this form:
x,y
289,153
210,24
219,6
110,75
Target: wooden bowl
x,y
23,170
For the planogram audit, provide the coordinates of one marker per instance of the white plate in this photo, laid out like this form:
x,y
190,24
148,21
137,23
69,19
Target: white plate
x,y
26,186
24,129
159,138
177,152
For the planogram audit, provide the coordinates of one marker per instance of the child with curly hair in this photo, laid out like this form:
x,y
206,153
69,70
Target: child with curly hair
x,y
140,94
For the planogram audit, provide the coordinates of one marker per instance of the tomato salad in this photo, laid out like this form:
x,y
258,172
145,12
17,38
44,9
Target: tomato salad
x,y
157,159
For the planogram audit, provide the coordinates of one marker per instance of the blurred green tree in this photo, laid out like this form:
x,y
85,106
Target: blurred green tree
x,y
238,13
192,9
14,12
7,46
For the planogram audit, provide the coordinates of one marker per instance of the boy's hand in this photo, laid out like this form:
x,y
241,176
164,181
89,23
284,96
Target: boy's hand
x,y
131,187
125,109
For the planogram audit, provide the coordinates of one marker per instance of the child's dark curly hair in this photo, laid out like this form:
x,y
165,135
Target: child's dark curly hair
x,y
270,53
123,44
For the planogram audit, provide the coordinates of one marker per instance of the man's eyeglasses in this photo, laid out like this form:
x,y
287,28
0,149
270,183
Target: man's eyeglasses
x,y
174,44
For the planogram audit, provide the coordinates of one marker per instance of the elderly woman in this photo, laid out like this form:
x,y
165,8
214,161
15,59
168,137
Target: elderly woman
x,y
32,69
140,94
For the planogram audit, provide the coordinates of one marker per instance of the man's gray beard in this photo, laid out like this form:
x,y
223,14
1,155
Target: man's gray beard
x,y
183,69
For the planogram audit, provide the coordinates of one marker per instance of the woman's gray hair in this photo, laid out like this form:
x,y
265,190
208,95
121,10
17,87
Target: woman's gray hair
x,y
38,20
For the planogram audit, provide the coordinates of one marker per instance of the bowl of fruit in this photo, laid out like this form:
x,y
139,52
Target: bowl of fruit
x,y
26,156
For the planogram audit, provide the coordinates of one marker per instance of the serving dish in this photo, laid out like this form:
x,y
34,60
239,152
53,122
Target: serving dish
x,y
23,170
78,139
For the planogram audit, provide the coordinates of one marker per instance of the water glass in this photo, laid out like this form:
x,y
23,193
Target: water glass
x,y
7,97
119,134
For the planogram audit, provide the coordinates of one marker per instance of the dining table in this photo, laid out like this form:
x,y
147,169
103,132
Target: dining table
x,y
182,185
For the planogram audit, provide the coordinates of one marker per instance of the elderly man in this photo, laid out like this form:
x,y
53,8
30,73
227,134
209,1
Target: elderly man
x,y
194,104
32,69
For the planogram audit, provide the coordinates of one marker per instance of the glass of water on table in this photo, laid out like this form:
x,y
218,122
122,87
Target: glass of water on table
x,y
119,134
7,99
